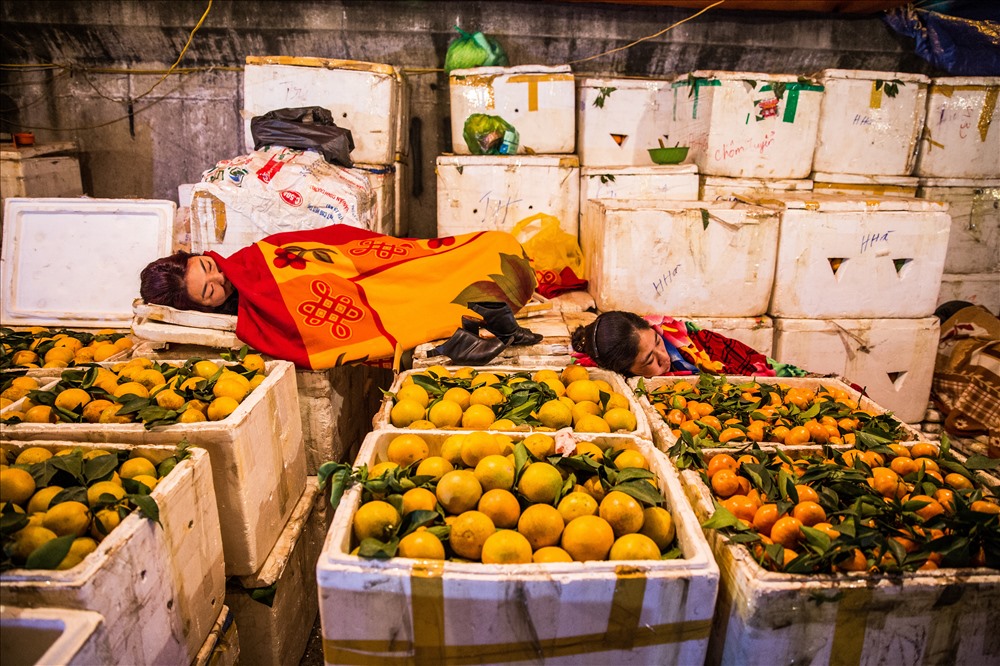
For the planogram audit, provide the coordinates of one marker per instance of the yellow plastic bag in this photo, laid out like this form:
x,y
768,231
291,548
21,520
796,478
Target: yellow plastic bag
x,y
547,245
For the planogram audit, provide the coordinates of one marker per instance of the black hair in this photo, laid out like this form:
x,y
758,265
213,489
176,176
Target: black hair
x,y
611,340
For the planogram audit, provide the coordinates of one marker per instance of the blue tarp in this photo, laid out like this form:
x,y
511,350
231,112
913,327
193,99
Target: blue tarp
x,y
961,38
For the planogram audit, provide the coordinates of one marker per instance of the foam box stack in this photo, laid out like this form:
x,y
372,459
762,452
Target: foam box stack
x,y
538,101
495,192
618,120
698,259
869,122
961,137
746,124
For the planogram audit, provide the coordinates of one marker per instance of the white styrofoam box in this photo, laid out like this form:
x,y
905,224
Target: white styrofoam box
x,y
493,192
698,259
367,98
892,359
756,332
664,438
961,137
537,100
594,612
222,647
258,460
52,636
842,256
906,619
863,185
76,262
381,420
278,633
746,124
976,288
619,119
668,181
383,181
158,587
273,190
711,188
863,129
974,205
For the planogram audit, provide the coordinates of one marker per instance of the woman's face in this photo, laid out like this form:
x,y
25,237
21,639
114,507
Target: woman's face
x,y
652,359
206,285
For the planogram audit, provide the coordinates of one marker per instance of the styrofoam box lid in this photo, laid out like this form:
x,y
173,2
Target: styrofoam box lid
x,y
564,161
966,81
658,170
520,69
765,183
846,202
960,182
636,83
737,76
670,205
325,63
905,77
76,262
903,181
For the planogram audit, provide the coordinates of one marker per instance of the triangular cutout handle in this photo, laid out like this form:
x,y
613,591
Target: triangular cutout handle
x,y
900,264
619,138
897,378
836,263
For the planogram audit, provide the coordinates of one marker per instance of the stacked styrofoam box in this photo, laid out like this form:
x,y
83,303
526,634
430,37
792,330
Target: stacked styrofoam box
x,y
700,259
892,359
870,122
668,181
381,421
863,186
277,632
537,100
53,636
855,283
619,119
495,192
370,99
40,171
712,188
972,265
160,586
594,612
75,263
907,619
746,124
961,136
258,461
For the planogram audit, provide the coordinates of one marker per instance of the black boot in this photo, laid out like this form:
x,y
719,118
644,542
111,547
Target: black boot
x,y
499,320
465,348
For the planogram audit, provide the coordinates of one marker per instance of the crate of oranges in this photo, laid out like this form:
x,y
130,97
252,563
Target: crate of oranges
x,y
710,411
244,414
512,399
516,547
882,549
40,347
72,539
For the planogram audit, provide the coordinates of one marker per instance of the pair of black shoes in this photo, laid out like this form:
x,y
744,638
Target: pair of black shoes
x,y
467,348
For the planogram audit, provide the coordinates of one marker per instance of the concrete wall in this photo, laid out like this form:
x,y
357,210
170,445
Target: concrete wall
x,y
189,122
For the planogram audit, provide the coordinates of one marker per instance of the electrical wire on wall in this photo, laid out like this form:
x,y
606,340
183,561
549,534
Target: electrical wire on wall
x,y
174,70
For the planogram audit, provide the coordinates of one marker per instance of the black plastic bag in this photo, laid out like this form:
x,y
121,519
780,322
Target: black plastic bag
x,y
307,127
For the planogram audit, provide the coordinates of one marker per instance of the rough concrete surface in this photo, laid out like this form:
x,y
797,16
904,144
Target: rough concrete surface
x,y
188,122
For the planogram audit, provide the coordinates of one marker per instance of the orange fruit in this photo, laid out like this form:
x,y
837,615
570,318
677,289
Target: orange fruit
x,y
495,471
459,491
787,531
902,465
404,450
806,493
797,435
506,547
622,512
469,532
720,462
725,483
887,483
765,517
809,513
419,499
588,538
376,519
550,554
540,482
541,524
924,450
741,506
501,506
577,504
957,481
421,545
634,547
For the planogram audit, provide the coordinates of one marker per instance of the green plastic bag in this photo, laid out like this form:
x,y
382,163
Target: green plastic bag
x,y
476,50
490,135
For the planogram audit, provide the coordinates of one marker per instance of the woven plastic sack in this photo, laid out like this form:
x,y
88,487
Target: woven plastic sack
x,y
475,50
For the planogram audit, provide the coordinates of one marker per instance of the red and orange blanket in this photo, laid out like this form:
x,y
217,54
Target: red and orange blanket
x,y
336,295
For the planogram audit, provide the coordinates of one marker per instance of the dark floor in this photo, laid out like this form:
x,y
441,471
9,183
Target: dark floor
x,y
313,655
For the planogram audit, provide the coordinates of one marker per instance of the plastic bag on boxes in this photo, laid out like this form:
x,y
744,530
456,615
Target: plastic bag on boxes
x,y
307,127
489,135
473,50
555,255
